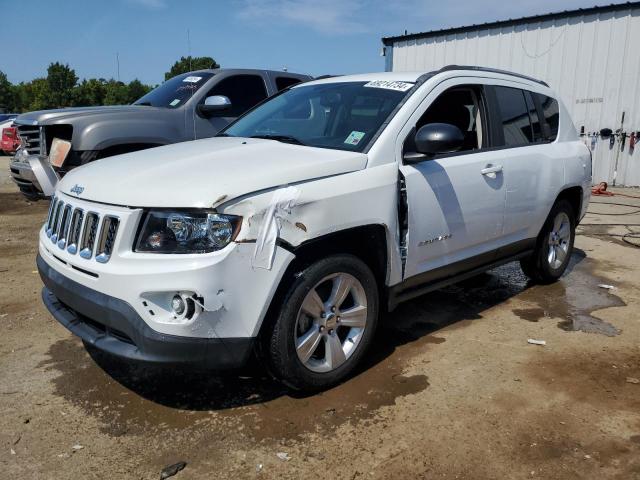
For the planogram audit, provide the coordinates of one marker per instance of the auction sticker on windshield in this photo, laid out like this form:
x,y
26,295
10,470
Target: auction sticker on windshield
x,y
192,79
354,138
390,85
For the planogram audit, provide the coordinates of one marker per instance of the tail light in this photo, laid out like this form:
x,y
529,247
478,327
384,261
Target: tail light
x,y
9,132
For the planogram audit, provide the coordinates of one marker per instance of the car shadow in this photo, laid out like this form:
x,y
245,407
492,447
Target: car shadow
x,y
419,319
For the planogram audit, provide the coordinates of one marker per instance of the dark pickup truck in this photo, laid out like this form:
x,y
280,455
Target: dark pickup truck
x,y
186,107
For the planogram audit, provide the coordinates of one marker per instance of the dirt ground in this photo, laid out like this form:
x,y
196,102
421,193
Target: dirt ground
x,y
452,388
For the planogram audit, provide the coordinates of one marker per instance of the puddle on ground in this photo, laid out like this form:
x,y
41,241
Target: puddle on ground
x,y
131,399
574,299
530,314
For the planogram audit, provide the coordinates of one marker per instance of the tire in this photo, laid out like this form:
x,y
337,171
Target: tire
x,y
554,245
307,351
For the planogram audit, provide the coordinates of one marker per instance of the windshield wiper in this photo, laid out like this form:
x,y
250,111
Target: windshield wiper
x,y
144,104
223,135
280,138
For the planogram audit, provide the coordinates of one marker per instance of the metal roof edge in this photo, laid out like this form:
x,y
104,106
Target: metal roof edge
x,y
388,41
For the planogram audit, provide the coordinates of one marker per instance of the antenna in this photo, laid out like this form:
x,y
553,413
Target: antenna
x,y
118,65
189,48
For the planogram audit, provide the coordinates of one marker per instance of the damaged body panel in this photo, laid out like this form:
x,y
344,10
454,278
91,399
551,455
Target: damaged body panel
x,y
148,286
323,207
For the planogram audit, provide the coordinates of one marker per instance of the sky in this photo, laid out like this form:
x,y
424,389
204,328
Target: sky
x,y
306,36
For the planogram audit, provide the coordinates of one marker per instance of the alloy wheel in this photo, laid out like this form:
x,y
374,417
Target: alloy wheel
x,y
331,322
559,240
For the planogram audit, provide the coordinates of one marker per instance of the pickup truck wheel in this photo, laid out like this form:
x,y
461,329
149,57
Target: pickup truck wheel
x,y
325,325
554,245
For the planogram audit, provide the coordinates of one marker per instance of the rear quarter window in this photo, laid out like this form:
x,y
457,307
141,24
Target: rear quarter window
x,y
551,114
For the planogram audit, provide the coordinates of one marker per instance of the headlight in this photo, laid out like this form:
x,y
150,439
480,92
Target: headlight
x,y
186,232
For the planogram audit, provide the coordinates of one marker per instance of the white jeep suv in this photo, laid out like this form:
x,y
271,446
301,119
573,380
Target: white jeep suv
x,y
286,235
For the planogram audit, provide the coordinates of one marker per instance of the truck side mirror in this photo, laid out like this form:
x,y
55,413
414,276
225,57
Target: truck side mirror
x,y
435,138
214,105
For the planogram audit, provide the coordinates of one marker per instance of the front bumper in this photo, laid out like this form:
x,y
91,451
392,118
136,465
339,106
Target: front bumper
x,y
113,326
23,176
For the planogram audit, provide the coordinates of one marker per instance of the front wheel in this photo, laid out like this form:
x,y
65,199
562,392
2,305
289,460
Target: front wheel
x,y
554,245
325,324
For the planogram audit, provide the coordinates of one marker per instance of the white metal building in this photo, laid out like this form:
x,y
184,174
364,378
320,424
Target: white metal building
x,y
590,57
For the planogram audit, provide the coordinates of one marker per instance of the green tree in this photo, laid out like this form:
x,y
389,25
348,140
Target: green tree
x,y
90,92
116,93
37,95
61,89
136,90
188,64
61,81
7,94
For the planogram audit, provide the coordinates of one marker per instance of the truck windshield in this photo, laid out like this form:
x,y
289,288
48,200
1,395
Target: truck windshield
x,y
176,91
341,115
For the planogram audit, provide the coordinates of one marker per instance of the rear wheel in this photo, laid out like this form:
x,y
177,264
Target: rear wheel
x,y
554,245
325,324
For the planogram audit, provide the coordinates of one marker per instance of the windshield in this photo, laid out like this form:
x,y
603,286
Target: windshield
x,y
342,116
176,91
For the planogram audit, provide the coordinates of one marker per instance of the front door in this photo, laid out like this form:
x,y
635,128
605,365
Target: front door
x,y
245,91
456,202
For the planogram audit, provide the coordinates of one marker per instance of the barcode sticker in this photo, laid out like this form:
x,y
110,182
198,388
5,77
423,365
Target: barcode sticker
x,y
390,85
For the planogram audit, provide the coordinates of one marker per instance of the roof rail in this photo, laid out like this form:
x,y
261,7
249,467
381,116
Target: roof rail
x,y
491,70
321,77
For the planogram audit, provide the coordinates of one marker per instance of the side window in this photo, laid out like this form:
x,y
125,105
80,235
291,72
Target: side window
x,y
461,107
533,117
514,116
244,91
551,114
286,82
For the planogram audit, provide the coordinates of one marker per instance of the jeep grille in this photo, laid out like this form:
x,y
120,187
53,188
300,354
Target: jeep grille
x,y
70,228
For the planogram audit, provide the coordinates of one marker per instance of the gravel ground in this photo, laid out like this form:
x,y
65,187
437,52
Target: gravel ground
x,y
451,390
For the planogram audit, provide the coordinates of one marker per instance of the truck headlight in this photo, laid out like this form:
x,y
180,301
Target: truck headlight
x,y
186,232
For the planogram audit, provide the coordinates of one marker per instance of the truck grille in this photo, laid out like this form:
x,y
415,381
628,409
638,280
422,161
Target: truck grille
x,y
34,140
75,230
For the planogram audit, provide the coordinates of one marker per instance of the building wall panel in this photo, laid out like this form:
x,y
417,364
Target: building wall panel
x,y
590,60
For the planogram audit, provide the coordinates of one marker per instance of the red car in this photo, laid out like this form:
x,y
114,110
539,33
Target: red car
x,y
10,141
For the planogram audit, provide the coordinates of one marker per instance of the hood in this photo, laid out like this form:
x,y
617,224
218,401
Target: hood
x,y
204,172
64,115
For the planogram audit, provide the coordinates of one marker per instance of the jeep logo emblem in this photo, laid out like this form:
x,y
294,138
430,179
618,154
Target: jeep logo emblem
x,y
77,189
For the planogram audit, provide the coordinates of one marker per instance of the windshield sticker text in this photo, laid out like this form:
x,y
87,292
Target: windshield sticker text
x,y
390,85
354,138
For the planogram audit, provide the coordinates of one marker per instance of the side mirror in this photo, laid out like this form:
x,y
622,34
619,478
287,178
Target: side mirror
x,y
213,105
435,138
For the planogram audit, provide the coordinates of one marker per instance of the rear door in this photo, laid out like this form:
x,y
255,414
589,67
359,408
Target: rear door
x,y
455,201
532,170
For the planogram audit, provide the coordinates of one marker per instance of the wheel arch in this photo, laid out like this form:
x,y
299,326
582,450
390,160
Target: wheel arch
x,y
574,195
369,243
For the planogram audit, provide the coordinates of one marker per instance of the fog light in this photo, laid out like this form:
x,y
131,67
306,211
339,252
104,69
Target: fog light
x,y
178,305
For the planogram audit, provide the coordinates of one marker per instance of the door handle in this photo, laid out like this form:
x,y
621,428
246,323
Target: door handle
x,y
491,170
